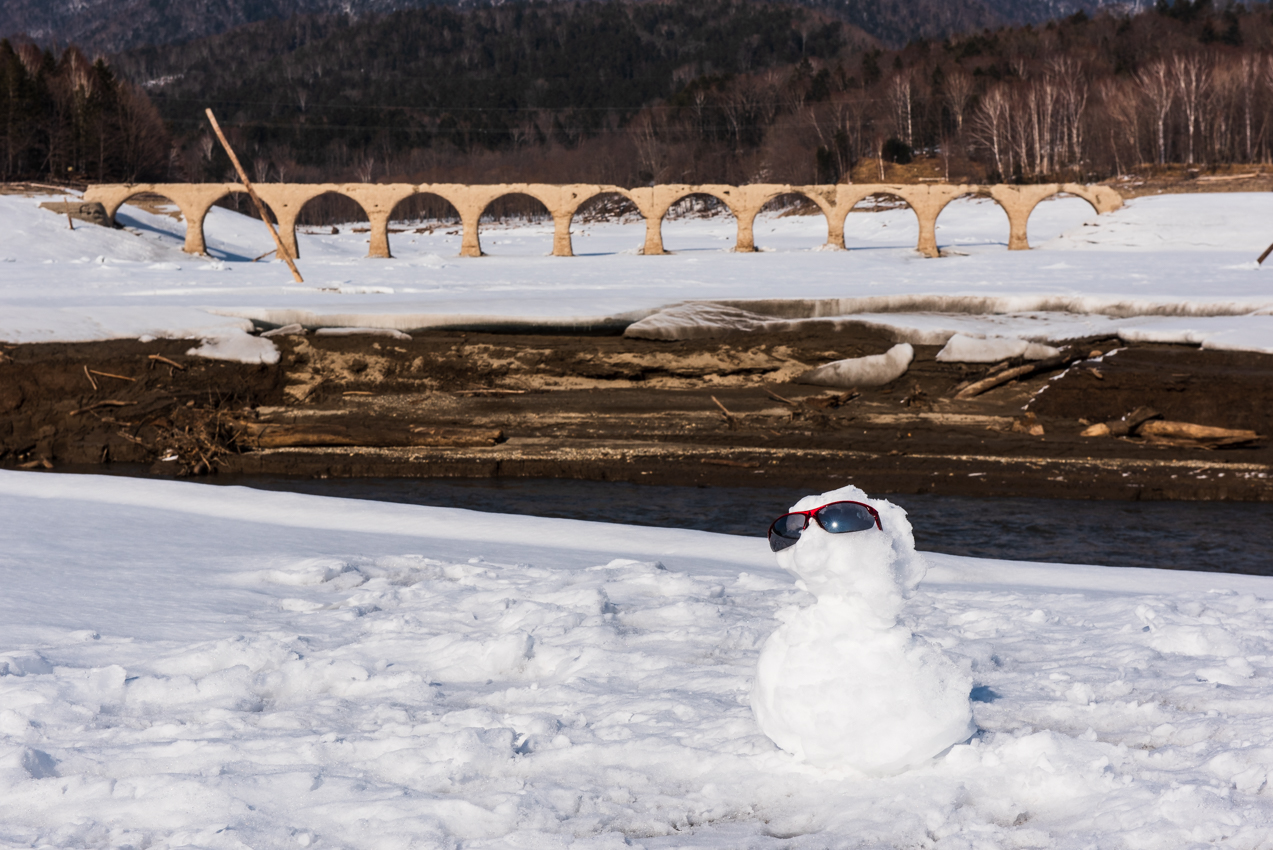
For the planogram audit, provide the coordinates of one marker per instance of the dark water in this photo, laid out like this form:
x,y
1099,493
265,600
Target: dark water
x,y
1214,536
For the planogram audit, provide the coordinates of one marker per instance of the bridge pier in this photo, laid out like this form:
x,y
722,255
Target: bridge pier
x,y
470,244
562,244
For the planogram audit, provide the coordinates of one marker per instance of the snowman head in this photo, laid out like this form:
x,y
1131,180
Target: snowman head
x,y
873,570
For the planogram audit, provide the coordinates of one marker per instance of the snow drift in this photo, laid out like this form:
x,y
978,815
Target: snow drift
x,y
875,370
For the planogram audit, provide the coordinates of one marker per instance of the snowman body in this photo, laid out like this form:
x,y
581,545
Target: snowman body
x,y
841,683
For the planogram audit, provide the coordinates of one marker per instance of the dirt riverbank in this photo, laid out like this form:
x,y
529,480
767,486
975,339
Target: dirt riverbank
x,y
711,412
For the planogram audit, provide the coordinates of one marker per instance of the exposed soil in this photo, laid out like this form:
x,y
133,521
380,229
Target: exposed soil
x,y
611,408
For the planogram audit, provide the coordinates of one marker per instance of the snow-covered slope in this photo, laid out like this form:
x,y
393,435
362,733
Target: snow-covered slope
x,y
1177,267
183,665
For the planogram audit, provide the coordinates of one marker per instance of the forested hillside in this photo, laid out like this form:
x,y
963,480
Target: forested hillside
x,y
116,25
633,93
491,79
65,118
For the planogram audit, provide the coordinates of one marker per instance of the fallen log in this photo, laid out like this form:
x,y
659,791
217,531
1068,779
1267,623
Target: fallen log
x,y
1122,427
740,464
276,436
1204,435
1058,362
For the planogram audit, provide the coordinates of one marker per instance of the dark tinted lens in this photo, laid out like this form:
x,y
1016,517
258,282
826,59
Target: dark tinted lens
x,y
840,517
785,531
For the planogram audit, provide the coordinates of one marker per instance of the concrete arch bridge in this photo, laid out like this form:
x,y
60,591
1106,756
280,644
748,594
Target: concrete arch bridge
x,y
378,201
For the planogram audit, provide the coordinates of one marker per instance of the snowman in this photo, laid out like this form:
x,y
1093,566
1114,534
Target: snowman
x,y
841,683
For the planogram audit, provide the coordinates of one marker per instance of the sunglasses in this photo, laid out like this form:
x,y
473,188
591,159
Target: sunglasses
x,y
836,518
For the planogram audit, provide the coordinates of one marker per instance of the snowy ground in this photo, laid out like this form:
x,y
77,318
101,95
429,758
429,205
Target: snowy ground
x,y
1172,268
183,665
191,666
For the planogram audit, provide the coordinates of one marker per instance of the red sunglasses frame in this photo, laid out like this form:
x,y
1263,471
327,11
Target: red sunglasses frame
x,y
812,514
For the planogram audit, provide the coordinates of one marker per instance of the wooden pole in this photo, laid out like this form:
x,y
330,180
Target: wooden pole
x,y
1264,256
260,207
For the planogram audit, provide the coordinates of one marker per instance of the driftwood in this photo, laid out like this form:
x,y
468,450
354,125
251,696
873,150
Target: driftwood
x,y
112,375
159,358
107,403
1122,427
1027,424
1050,364
773,394
817,402
828,402
740,464
1163,431
276,436
1144,422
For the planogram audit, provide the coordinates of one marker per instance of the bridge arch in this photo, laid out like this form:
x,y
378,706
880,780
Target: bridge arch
x,y
688,193
513,202
146,196
766,204
962,193
877,192
328,205
259,244
1058,217
425,206
192,199
604,195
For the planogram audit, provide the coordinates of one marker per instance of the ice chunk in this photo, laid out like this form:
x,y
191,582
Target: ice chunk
x,y
292,329
389,332
24,664
840,683
873,371
234,344
963,348
699,320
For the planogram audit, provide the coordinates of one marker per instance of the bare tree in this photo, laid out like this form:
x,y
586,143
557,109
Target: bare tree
x,y
1248,78
1191,77
649,147
1072,90
899,91
990,126
1040,109
1155,82
140,134
958,87
1220,117
1122,109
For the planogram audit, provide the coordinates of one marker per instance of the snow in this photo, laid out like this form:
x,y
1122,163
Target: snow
x,y
186,665
962,348
237,346
841,684
1174,268
220,667
389,332
874,370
